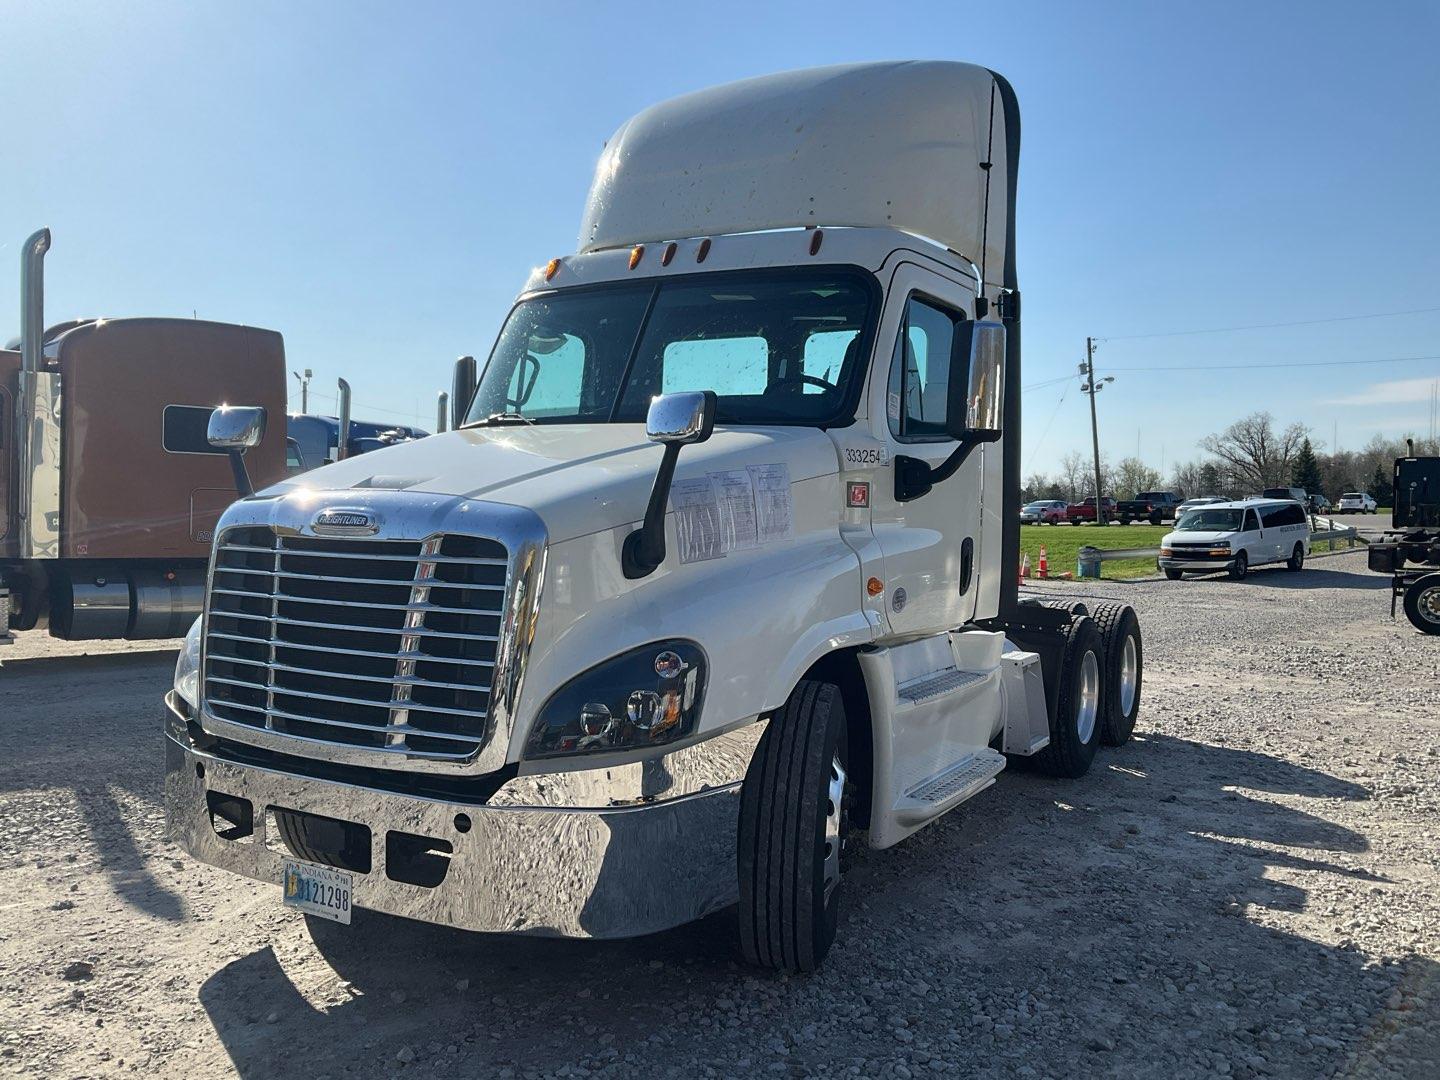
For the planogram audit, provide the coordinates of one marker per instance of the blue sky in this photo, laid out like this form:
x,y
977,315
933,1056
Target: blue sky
x,y
375,181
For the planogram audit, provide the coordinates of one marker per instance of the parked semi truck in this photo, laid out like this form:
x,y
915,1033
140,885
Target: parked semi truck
x,y
718,564
109,489
1410,550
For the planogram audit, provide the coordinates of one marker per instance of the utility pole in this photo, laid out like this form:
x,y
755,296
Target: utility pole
x,y
1091,388
304,389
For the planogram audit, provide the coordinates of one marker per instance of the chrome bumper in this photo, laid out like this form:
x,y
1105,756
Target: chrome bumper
x,y
563,871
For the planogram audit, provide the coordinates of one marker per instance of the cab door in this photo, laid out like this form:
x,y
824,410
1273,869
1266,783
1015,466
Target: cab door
x,y
931,544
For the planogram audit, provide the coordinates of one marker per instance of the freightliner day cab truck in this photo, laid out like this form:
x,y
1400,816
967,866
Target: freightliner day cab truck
x,y
109,489
1410,549
718,564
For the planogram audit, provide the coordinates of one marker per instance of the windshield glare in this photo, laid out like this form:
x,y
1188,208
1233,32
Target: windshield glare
x,y
1208,520
775,348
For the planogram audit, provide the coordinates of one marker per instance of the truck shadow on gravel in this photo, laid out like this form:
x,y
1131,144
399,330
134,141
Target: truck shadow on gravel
x,y
1127,924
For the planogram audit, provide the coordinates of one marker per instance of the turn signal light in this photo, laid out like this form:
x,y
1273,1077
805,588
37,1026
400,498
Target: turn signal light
x,y
552,268
874,586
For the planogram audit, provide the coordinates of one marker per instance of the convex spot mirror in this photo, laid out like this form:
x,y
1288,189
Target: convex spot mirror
x,y
976,406
236,427
686,417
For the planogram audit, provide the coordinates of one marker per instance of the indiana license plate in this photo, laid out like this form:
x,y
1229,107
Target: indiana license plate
x,y
318,890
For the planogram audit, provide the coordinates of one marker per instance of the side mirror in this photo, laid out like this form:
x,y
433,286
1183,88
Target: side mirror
x,y
682,418
977,405
462,389
674,420
235,429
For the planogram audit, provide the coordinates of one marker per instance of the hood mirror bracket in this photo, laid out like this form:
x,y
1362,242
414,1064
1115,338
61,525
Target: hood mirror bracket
x,y
674,420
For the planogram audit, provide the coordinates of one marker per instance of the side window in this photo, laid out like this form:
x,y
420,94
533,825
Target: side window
x,y
729,366
824,356
920,371
1294,515
1252,523
1273,516
184,429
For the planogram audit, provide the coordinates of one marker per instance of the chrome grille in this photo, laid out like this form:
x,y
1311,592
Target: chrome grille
x,y
383,645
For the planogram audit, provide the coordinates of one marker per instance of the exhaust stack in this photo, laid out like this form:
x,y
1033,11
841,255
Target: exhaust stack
x,y
442,412
343,449
32,300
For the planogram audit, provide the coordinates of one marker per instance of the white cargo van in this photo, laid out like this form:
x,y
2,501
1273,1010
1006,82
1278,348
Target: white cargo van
x,y
719,561
1234,536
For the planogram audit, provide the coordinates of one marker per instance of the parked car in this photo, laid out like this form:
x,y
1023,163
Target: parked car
x,y
1151,506
1295,493
1043,512
1201,500
1357,502
1085,510
1317,504
1235,536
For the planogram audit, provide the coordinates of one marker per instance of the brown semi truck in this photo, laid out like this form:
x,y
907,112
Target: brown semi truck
x,y
109,486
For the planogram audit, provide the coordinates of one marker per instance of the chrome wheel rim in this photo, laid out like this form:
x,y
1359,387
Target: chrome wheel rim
x,y
1088,704
835,807
1428,604
1129,675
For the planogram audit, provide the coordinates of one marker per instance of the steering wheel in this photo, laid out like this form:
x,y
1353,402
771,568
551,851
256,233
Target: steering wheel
x,y
813,380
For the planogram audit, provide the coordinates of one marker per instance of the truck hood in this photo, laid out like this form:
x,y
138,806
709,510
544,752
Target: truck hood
x,y
580,478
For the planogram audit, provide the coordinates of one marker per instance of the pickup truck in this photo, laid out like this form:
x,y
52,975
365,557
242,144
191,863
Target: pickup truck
x,y
1085,510
1151,506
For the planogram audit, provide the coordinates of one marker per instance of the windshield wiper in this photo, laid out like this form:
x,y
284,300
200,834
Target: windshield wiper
x,y
505,418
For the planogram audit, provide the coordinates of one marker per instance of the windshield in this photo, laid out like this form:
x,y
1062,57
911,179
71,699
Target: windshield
x,y
1208,520
775,348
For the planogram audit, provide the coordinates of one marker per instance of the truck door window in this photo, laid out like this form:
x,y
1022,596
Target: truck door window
x,y
920,371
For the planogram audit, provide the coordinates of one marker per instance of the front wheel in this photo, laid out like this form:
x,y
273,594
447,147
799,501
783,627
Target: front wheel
x,y
793,827
1240,567
1422,604
1173,575
1297,558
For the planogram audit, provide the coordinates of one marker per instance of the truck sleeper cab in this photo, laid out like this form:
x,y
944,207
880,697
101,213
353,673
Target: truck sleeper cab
x,y
539,674
1234,536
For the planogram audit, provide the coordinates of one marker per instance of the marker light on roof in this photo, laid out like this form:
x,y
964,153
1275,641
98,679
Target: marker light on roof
x,y
552,268
636,253
816,239
668,254
704,250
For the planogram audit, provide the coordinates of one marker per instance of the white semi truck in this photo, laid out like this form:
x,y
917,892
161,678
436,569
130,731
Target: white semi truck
x,y
718,563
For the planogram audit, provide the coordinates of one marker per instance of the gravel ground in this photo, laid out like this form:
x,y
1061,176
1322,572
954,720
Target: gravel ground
x,y
1250,888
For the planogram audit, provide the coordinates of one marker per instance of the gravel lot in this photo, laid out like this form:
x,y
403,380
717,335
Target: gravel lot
x,y
1251,888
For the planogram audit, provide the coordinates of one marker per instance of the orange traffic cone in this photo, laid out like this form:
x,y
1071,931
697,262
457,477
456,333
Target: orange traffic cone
x,y
1044,567
1024,566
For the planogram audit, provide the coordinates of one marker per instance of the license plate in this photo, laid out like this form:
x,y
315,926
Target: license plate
x,y
318,890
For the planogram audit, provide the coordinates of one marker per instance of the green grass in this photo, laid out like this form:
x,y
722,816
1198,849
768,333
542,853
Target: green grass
x,y
1063,544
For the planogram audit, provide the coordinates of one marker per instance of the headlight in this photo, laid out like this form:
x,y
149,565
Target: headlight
x,y
187,668
646,697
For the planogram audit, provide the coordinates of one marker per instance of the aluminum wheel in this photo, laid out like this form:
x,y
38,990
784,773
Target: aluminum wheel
x,y
1129,675
834,813
1088,705
1428,604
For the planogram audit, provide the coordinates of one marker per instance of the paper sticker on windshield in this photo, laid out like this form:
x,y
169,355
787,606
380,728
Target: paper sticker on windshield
x,y
774,505
698,527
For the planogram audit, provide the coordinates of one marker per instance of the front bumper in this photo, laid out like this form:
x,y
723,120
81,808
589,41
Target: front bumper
x,y
1211,565
554,870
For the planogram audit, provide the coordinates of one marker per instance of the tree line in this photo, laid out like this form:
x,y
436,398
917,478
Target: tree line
x,y
1248,456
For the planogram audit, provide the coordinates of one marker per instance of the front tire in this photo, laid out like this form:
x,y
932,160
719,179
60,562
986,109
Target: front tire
x,y
1075,727
1124,664
1240,567
1174,575
1422,604
793,827
1296,562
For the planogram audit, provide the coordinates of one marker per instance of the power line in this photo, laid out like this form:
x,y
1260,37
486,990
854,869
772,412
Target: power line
x,y
1273,326
1205,367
